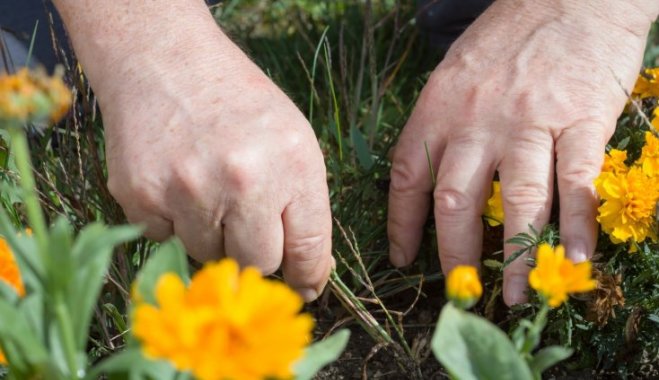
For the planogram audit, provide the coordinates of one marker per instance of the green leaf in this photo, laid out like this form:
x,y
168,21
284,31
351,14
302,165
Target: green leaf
x,y
362,149
170,257
22,347
623,143
60,266
91,254
547,357
471,347
131,364
320,354
493,264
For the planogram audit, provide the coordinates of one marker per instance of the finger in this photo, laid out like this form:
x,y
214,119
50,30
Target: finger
x,y
202,236
526,174
577,166
463,183
254,236
156,227
141,207
308,243
415,158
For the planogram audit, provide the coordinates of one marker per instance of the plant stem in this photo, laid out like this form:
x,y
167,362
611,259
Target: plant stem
x,y
533,335
28,185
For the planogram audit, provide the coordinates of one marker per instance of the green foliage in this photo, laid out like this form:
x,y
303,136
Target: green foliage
x,y
320,354
169,258
471,347
46,333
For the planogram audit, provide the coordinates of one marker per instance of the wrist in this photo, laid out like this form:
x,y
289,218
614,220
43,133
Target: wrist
x,y
126,46
633,16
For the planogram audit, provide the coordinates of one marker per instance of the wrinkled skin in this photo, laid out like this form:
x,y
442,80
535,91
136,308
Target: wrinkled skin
x,y
533,97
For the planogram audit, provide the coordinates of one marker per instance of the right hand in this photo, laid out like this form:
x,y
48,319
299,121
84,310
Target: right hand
x,y
212,151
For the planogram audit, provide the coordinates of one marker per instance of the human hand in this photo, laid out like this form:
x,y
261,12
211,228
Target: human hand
x,y
532,89
201,144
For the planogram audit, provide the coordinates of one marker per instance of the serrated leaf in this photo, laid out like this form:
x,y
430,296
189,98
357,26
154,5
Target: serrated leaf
x,y
515,255
472,348
321,354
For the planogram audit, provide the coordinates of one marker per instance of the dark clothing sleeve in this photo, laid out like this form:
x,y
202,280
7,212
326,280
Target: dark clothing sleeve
x,y
443,21
17,21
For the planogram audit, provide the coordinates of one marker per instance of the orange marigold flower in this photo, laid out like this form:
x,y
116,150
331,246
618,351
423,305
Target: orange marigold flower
x,y
554,276
9,272
33,97
494,208
463,287
647,84
614,161
628,205
226,324
11,275
649,159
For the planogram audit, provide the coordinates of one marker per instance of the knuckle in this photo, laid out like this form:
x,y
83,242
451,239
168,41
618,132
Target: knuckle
x,y
306,250
187,177
240,175
580,175
453,202
529,198
131,194
404,176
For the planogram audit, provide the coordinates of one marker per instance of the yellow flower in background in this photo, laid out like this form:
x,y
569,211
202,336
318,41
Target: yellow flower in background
x,y
649,159
33,97
614,162
226,324
554,276
647,84
628,208
494,208
463,287
9,272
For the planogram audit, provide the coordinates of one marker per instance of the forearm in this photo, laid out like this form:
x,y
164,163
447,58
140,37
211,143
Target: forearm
x,y
635,16
132,40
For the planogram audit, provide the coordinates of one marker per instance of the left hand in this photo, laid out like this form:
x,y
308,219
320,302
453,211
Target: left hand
x,y
532,90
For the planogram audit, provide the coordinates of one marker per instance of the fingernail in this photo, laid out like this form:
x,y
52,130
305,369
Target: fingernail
x,y
577,252
397,255
515,290
308,294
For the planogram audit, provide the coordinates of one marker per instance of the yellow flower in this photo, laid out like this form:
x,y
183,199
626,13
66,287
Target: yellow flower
x,y
494,209
647,84
628,208
32,97
649,159
554,276
463,286
614,161
226,324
